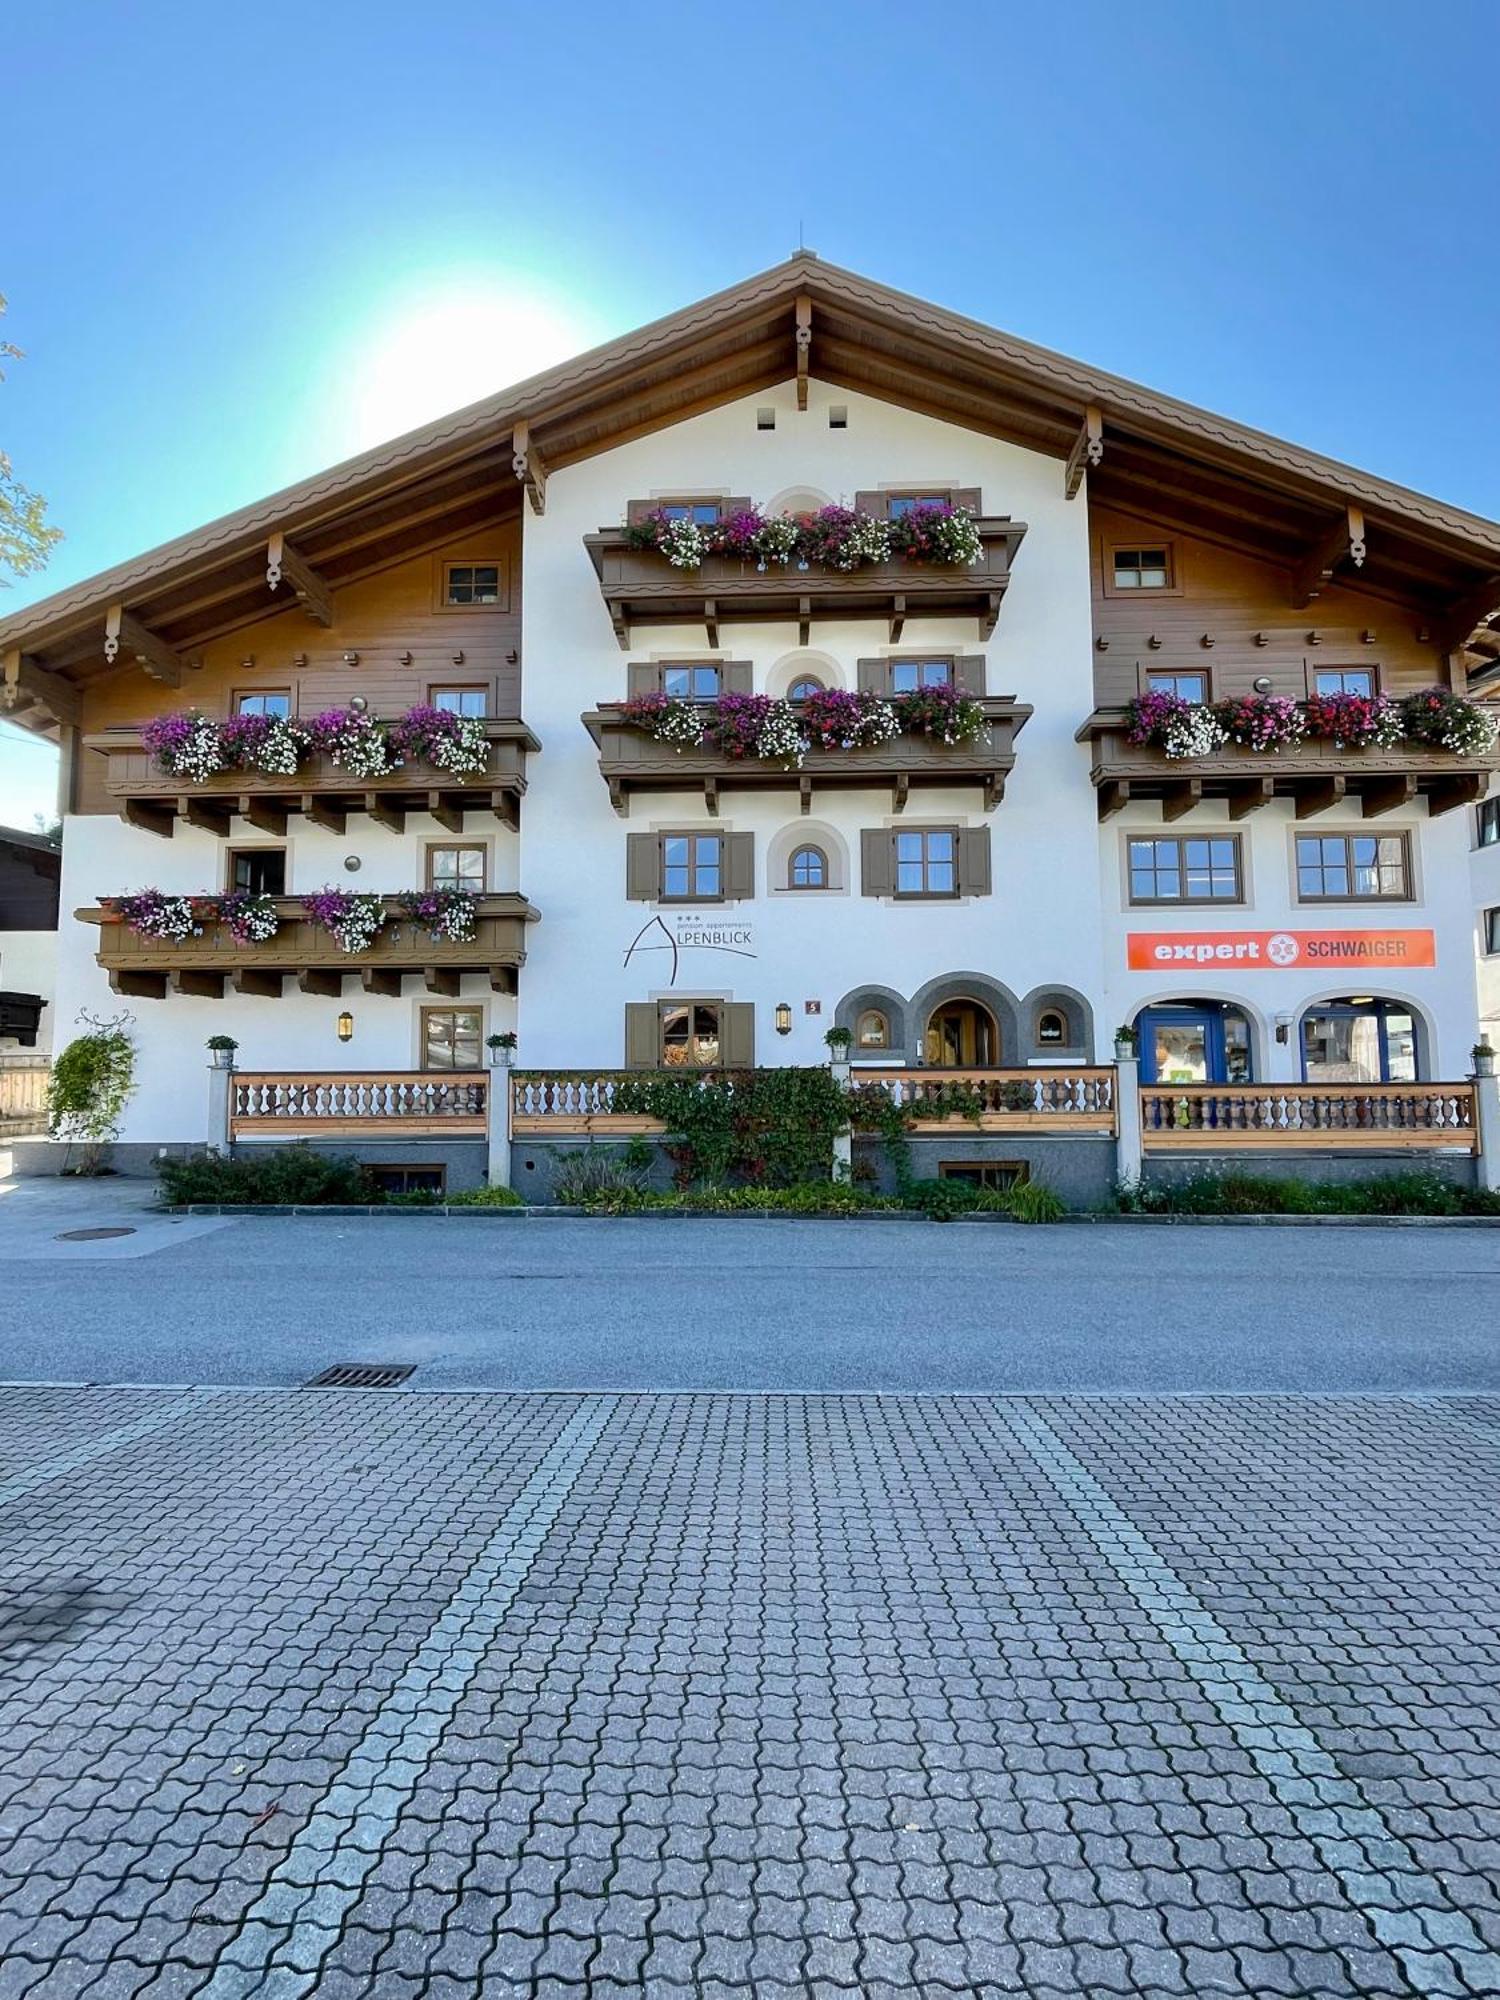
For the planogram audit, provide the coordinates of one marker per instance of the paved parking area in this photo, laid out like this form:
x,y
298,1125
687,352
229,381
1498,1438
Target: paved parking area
x,y
392,1693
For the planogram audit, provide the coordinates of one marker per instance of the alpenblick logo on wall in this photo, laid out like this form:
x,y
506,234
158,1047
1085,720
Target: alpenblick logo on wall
x,y
1279,951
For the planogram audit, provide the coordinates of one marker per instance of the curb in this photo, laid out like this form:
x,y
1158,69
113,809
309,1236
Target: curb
x,y
441,1211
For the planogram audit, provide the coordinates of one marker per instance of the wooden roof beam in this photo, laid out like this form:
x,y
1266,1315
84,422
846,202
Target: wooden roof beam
x,y
1343,542
23,682
803,340
1469,619
526,462
152,655
311,589
1088,449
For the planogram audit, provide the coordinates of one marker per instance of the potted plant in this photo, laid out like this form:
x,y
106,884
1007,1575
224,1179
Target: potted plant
x,y
1126,1043
222,1048
839,1041
1484,1057
501,1047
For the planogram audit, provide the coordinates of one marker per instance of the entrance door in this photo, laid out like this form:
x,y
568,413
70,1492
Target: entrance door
x,y
1193,1045
961,1035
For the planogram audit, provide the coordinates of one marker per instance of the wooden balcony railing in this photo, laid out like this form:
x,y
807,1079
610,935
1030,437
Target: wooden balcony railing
x,y
640,587
148,969
394,1104
1057,1100
320,791
631,761
1287,1117
1317,774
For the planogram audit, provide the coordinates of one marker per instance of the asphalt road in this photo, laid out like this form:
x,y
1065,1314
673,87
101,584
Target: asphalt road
x,y
648,1304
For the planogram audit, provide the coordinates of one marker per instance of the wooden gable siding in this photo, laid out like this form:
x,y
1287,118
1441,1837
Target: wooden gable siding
x,y
380,618
1231,597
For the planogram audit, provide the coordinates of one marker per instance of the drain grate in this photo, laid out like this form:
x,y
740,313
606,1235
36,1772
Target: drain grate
x,y
362,1375
90,1235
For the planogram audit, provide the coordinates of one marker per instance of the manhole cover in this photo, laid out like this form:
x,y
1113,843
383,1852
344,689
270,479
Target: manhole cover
x,y
90,1235
362,1375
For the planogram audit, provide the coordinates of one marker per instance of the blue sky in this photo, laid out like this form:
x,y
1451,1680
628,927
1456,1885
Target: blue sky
x,y
241,243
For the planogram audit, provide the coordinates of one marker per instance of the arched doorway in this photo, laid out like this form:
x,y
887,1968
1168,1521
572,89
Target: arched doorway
x,y
960,1034
1194,1041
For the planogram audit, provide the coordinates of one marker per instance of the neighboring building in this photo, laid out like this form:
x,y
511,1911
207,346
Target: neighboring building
x,y
1485,868
30,873
1295,917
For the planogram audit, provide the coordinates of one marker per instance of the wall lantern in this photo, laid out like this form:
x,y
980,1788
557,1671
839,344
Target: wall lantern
x,y
783,1017
346,1026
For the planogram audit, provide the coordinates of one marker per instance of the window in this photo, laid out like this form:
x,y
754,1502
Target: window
x,y
1344,680
1186,687
1051,1029
808,869
701,682
997,1174
455,867
927,862
462,700
1140,567
692,867
907,676
704,512
897,504
258,871
872,1030
1203,869
267,701
452,1037
803,686
471,583
1359,1041
407,1180
692,1034
1492,932
1487,823
1350,867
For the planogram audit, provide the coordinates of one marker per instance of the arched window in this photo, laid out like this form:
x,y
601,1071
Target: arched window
x,y
1359,1041
1051,1028
803,686
807,869
872,1030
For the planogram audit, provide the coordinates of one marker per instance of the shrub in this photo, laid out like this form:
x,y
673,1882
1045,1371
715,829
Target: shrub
x,y
287,1175
596,1174
90,1085
485,1197
1416,1191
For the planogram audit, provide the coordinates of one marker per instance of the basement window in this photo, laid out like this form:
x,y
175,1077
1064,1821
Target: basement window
x,y
995,1174
408,1179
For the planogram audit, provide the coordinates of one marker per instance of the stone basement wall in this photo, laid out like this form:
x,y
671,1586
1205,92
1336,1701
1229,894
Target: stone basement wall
x,y
1080,1170
464,1159
1169,1169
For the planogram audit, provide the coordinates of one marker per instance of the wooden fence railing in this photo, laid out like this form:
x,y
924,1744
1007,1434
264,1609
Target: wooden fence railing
x,y
23,1096
1283,1117
351,1104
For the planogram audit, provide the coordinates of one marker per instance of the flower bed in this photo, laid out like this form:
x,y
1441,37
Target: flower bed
x,y
1435,718
197,747
743,726
836,538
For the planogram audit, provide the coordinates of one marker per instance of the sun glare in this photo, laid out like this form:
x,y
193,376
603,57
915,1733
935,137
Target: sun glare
x,y
447,349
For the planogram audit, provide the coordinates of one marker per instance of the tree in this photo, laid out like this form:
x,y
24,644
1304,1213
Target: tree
x,y
26,537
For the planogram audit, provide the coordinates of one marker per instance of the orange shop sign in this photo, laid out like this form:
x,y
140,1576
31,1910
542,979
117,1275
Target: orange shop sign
x,y
1280,951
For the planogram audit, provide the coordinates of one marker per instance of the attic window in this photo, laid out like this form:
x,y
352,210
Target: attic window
x,y
838,416
471,583
1142,568
765,420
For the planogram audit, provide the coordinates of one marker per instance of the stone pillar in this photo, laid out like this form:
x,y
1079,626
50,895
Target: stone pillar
x,y
1127,1112
843,1139
220,1097
497,1165
1487,1119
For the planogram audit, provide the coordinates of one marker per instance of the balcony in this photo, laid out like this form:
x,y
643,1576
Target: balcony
x,y
1299,1117
631,761
320,790
640,587
1317,774
358,1104
147,968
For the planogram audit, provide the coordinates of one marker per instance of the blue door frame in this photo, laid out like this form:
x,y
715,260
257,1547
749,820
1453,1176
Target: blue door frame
x,y
1378,1010
1209,1019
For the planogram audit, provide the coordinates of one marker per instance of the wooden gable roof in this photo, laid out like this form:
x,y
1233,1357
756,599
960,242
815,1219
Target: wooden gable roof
x,y
1144,452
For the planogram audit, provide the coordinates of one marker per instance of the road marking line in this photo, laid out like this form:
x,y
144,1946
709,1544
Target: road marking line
x,y
1438,1948
65,1462
299,1914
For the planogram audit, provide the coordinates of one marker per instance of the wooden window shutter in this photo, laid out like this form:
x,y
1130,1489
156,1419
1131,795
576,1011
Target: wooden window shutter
x,y
637,511
974,861
643,677
737,1045
737,676
737,503
870,502
968,671
739,865
967,496
642,867
642,1035
873,676
877,861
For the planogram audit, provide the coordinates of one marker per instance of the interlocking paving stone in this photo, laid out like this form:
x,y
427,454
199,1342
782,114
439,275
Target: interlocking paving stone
x,y
737,1695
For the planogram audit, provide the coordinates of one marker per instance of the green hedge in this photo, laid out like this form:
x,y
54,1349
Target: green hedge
x,y
1420,1191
